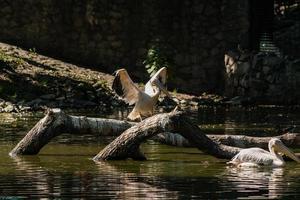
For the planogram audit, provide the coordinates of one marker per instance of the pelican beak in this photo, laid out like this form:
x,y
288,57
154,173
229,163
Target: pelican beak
x,y
161,87
166,92
279,147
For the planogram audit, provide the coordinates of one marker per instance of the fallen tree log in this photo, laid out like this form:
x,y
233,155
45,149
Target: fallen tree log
x,y
128,143
57,122
242,141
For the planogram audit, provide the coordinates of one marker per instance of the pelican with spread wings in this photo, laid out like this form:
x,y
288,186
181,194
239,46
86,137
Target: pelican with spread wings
x,y
253,157
144,101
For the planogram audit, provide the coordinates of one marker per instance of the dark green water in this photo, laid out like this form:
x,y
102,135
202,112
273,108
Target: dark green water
x,y
64,169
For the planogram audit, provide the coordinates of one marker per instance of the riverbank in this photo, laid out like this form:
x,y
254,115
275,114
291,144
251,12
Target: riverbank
x,y
30,81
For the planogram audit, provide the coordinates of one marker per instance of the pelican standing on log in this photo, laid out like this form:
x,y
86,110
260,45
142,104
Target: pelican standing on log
x,y
144,101
253,157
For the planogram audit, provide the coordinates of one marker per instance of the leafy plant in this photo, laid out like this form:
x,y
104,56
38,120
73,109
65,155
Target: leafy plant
x,y
156,58
175,91
32,51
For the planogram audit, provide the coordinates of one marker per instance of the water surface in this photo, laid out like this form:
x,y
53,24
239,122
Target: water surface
x,y
64,169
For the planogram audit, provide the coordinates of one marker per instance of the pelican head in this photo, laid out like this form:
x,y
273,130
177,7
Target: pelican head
x,y
278,148
157,84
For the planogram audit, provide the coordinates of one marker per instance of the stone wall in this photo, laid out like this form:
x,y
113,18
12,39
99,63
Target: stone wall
x,y
111,34
262,78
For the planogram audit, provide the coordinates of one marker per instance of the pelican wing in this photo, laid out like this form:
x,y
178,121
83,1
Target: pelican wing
x,y
253,155
125,88
160,75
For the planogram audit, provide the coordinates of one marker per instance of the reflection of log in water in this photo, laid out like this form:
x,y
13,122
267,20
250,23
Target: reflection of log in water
x,y
131,186
57,122
116,180
38,183
123,184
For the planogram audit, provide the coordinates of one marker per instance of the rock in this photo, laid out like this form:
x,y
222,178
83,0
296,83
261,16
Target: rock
x,y
176,100
266,69
89,103
9,108
198,8
48,96
34,102
193,103
115,103
183,102
245,82
243,68
60,98
219,35
238,100
167,102
25,108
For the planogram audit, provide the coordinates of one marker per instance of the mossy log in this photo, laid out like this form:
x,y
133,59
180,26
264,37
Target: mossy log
x,y
57,122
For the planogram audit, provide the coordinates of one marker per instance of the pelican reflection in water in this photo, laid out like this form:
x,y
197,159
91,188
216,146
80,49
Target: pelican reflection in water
x,y
253,157
144,101
255,183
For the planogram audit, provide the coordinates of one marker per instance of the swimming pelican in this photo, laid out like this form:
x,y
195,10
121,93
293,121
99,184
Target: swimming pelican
x,y
253,157
144,100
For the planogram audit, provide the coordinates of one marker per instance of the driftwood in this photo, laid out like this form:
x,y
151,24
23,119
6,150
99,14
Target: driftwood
x,y
127,144
242,141
57,122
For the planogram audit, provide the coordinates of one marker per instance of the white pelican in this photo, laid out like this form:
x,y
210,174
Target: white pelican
x,y
253,157
144,101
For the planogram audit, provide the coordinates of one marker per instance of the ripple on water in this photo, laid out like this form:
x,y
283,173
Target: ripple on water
x,y
64,168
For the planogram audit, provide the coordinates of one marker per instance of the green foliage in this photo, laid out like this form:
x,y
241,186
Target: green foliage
x,y
44,82
101,84
32,51
4,60
156,58
175,91
9,61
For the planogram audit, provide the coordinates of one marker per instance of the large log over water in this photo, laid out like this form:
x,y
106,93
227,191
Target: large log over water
x,y
242,141
57,122
127,144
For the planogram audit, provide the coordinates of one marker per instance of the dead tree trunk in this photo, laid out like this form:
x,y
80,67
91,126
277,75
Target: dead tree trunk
x,y
127,144
57,122
242,141
47,128
289,139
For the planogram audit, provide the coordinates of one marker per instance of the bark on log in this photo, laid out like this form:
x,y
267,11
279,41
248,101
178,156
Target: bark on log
x,y
47,128
57,122
242,141
127,144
